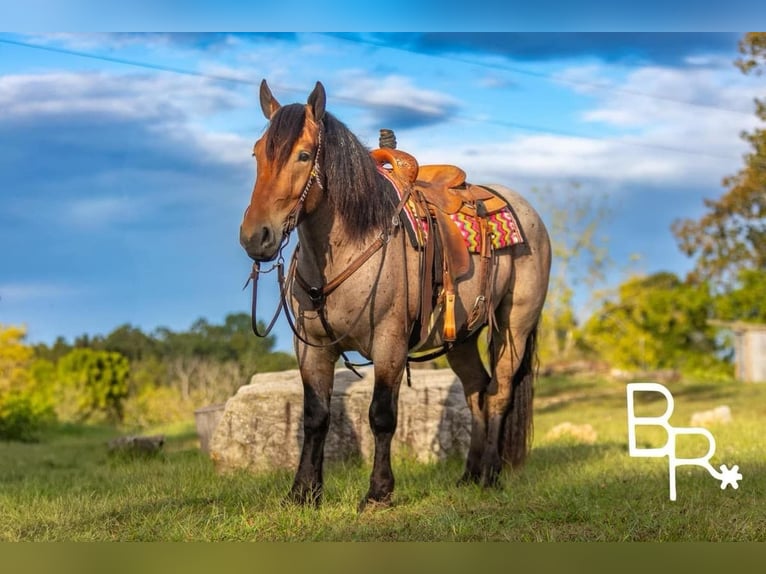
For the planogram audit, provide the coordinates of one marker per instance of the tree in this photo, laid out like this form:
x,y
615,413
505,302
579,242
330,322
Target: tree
x,y
130,342
95,383
657,322
579,259
747,301
24,405
232,341
732,234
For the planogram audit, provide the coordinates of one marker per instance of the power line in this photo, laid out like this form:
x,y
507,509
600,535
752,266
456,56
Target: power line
x,y
536,74
127,62
361,103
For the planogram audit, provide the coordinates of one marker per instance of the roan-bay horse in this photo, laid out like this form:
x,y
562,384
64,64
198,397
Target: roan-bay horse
x,y
355,285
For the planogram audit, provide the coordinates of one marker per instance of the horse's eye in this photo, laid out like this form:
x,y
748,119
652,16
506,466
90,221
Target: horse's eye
x,y
304,156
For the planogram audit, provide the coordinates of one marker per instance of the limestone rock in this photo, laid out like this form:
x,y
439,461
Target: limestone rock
x,y
583,433
718,415
262,428
206,420
148,445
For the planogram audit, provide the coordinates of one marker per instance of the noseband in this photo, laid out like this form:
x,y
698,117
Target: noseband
x,y
317,294
291,221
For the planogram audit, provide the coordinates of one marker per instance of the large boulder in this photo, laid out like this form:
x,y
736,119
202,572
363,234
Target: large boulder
x,y
262,425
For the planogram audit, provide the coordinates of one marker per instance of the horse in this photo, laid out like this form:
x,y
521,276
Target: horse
x,y
358,289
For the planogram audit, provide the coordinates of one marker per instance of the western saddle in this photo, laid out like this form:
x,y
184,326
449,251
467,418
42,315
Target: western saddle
x,y
436,193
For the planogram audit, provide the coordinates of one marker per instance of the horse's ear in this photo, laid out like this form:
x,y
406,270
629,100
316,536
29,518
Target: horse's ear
x,y
269,103
317,101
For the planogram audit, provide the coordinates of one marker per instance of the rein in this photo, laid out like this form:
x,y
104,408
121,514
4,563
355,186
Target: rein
x,y
317,294
287,227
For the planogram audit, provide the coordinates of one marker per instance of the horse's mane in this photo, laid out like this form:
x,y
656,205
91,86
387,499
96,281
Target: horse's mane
x,y
355,189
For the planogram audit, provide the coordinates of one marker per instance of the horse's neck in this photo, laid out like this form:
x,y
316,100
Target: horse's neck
x,y
325,247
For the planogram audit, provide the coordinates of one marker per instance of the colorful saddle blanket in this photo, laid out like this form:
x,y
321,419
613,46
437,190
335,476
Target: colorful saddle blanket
x,y
503,227
504,231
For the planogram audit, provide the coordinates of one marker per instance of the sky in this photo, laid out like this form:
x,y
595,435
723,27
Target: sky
x,y
125,159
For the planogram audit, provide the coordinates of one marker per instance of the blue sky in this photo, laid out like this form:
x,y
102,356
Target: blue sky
x,y
125,158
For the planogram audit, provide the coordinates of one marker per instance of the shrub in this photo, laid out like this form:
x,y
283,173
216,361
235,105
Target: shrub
x,y
25,400
22,416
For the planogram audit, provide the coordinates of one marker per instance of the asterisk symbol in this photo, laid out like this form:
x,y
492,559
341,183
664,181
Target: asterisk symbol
x,y
730,476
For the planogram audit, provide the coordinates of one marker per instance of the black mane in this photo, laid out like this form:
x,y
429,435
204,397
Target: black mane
x,y
355,189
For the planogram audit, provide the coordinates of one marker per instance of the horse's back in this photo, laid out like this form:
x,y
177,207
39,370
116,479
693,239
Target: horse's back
x,y
532,227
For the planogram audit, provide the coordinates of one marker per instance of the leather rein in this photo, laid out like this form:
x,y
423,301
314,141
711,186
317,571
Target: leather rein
x,y
317,294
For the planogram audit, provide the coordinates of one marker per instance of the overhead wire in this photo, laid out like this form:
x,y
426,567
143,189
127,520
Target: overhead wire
x,y
361,103
536,74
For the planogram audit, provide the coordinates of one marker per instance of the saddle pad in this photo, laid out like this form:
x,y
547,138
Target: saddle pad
x,y
503,225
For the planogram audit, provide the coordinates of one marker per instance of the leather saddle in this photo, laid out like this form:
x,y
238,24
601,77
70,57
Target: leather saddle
x,y
439,192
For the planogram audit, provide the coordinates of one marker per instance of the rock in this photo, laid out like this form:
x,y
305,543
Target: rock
x,y
718,415
207,419
584,433
137,444
261,426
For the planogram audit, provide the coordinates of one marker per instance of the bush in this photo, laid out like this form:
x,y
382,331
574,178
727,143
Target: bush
x,y
151,406
23,416
25,398
93,384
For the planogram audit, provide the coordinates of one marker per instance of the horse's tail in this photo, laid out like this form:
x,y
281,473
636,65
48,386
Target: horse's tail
x,y
517,439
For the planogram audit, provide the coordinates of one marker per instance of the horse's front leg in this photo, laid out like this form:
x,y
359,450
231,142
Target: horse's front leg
x,y
389,368
317,372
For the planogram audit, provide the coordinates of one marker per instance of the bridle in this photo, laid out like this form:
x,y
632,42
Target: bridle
x,y
317,294
294,216
291,221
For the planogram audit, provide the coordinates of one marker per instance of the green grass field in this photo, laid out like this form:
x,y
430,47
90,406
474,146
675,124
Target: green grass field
x,y
68,488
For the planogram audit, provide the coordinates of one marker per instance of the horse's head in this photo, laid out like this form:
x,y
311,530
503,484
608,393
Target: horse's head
x,y
287,180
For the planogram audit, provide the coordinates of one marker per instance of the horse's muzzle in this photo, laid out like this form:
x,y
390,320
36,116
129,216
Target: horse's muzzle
x,y
261,244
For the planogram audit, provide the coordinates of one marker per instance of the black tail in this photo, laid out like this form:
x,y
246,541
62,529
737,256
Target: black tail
x,y
517,427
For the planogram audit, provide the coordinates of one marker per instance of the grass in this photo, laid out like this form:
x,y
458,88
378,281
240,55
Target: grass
x,y
67,487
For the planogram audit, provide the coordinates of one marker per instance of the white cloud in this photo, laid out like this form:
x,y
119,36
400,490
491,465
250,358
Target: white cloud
x,y
101,211
134,96
646,139
394,97
33,291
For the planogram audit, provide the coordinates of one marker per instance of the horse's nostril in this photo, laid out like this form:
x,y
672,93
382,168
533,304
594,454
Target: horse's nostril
x,y
265,236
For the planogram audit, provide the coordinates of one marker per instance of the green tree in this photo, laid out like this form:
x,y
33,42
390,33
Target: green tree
x,y
745,302
25,404
658,322
231,341
95,383
580,257
731,235
53,352
131,342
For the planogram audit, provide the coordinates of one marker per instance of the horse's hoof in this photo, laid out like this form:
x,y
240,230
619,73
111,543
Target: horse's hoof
x,y
303,497
491,479
468,478
369,503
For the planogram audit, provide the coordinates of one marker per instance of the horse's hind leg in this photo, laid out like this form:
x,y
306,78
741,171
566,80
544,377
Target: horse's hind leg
x,y
508,400
317,372
466,362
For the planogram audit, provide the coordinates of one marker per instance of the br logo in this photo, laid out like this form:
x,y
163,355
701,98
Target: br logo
x,y
725,475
